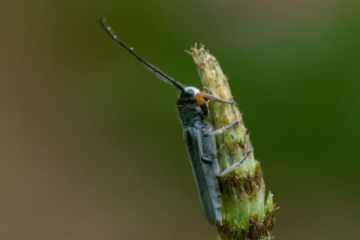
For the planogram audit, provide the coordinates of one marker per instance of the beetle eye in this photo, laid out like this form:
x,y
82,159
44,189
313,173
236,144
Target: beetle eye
x,y
190,93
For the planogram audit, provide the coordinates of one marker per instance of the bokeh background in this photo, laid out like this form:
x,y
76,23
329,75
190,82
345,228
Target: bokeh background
x,y
90,144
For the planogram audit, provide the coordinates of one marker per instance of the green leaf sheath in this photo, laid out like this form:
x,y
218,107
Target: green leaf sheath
x,y
248,213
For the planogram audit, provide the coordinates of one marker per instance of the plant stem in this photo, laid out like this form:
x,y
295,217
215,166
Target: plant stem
x,y
247,213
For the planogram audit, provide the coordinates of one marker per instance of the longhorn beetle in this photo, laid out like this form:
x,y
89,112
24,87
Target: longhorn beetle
x,y
192,106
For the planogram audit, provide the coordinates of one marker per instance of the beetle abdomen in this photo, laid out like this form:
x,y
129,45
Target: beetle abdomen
x,y
203,160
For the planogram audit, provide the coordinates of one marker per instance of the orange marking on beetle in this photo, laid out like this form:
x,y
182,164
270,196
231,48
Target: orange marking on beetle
x,y
200,99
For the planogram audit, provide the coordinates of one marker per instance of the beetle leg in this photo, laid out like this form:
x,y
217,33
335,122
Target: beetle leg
x,y
200,146
234,166
217,99
211,97
223,129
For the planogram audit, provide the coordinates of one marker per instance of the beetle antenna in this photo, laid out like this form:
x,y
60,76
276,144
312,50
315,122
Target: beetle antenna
x,y
159,74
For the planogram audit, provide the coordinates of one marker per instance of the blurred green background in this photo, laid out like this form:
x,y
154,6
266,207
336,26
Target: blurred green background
x,y
91,146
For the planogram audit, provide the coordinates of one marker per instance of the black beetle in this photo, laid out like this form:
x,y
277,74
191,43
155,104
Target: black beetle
x,y
192,106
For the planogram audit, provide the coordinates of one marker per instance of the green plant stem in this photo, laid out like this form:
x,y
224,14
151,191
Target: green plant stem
x,y
247,212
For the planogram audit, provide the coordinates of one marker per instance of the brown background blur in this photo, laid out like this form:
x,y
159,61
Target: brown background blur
x,y
90,144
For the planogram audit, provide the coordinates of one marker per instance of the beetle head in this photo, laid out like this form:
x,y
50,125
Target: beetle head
x,y
193,94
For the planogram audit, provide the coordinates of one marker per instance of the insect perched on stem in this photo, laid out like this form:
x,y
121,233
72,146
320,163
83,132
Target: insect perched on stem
x,y
192,106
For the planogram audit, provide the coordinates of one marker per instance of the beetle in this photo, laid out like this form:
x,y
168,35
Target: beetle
x,y
192,106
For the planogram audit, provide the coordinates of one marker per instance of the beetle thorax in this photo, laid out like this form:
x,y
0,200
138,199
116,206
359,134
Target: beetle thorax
x,y
189,111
